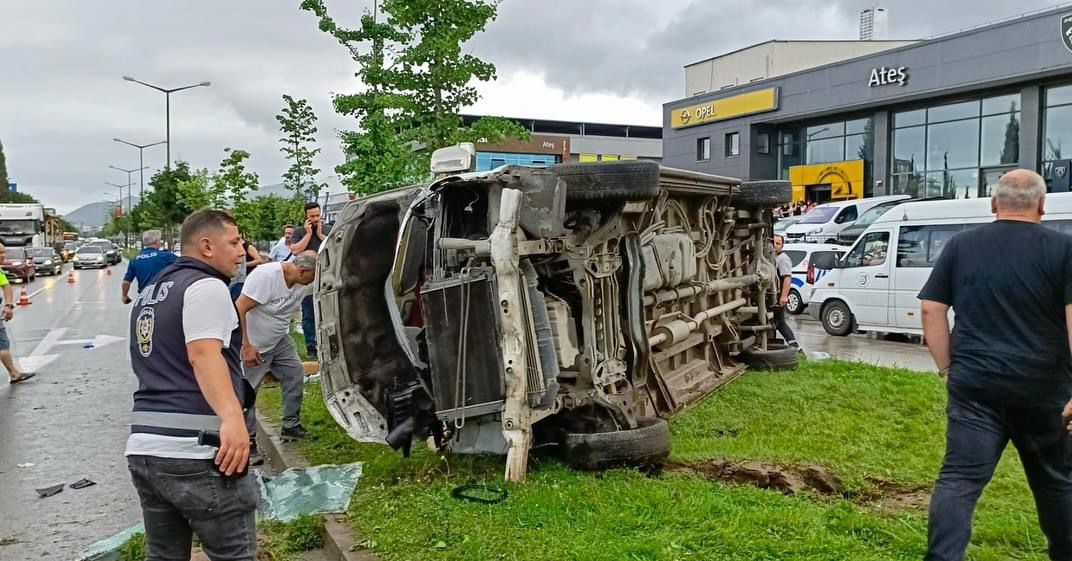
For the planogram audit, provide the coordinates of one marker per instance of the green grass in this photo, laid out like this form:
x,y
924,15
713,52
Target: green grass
x,y
862,422
284,541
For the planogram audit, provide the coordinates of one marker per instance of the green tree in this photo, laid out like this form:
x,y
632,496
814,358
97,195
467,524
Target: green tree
x,y
297,122
163,207
201,191
233,181
15,196
417,81
4,181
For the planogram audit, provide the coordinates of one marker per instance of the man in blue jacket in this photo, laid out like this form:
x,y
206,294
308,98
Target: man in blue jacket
x,y
146,265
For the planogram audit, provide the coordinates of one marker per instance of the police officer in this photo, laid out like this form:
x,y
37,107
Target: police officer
x,y
146,264
185,346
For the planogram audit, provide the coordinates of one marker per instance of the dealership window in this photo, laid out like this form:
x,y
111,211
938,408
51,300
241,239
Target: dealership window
x,y
763,143
733,144
835,141
942,150
1056,128
703,148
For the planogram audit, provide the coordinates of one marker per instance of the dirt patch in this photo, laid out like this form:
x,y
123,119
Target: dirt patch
x,y
789,480
796,479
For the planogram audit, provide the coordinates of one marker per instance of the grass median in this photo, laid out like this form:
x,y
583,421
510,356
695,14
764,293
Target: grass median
x,y
879,430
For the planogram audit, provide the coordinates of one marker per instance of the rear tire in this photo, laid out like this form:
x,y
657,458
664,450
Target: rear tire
x,y
776,357
763,194
837,319
645,446
609,181
795,305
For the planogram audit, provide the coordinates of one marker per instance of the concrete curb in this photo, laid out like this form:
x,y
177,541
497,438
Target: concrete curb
x,y
339,542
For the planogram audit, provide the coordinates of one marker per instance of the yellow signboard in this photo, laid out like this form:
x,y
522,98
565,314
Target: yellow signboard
x,y
731,107
833,181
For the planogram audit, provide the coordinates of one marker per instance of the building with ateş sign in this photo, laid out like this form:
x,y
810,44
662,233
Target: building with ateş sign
x,y
551,142
941,117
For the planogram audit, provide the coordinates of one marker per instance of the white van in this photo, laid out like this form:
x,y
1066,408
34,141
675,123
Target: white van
x,y
800,255
873,288
823,223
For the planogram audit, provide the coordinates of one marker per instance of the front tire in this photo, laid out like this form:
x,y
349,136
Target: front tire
x,y
645,446
837,318
795,305
777,357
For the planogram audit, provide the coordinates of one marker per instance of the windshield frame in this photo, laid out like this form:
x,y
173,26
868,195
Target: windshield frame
x,y
883,207
33,229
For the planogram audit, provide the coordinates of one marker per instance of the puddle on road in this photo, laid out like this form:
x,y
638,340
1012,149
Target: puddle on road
x,y
796,479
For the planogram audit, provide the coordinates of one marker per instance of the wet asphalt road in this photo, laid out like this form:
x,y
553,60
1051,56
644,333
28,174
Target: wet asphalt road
x,y
70,421
866,347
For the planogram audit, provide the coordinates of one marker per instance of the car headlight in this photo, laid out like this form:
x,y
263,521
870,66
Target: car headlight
x,y
16,263
47,263
76,258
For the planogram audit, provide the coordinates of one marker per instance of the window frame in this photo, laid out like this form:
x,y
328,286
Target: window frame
x,y
736,151
703,146
861,247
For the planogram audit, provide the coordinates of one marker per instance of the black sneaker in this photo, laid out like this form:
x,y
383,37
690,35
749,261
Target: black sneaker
x,y
255,456
297,433
310,352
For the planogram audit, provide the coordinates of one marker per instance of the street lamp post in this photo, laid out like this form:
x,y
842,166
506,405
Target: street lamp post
x,y
167,105
141,161
130,203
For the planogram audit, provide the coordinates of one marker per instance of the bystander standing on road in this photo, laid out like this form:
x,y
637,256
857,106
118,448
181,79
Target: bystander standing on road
x,y
784,266
1007,364
310,236
185,346
281,250
15,375
147,264
269,299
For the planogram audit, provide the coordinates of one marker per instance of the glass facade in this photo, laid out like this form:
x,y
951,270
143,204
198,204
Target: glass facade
x,y
836,141
1056,127
490,160
938,151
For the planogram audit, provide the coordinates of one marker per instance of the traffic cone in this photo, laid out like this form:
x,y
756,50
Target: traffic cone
x,y
70,277
108,271
24,298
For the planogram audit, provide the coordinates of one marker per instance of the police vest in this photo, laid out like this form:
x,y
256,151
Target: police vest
x,y
168,400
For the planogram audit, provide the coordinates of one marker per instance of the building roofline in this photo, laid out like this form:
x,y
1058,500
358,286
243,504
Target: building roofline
x,y
562,122
1039,14
735,51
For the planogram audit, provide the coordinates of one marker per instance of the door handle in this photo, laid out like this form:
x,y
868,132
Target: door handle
x,y
882,276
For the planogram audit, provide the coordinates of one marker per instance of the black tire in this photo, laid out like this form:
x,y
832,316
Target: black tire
x,y
776,357
837,319
763,194
609,181
645,446
795,305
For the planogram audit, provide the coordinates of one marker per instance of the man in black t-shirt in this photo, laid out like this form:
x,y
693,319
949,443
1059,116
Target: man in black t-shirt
x,y
1007,364
309,236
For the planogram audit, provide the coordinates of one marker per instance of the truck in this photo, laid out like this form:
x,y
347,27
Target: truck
x,y
23,225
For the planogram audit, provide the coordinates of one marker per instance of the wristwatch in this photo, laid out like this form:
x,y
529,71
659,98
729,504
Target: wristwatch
x,y
10,306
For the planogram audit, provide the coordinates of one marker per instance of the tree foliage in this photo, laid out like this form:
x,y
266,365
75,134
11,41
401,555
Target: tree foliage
x,y
297,122
417,79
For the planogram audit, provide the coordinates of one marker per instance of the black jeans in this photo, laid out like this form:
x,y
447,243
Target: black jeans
x,y
783,325
977,434
181,497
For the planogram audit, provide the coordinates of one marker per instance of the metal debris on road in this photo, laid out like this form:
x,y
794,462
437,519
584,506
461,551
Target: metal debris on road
x,y
323,489
46,492
82,483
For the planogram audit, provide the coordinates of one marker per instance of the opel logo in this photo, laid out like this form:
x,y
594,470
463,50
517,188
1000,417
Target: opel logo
x,y
685,116
1060,171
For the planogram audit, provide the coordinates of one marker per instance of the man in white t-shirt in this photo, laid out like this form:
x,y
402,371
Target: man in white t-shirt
x,y
272,293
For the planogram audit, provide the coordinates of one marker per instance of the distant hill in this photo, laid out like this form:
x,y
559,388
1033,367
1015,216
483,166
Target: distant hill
x,y
93,215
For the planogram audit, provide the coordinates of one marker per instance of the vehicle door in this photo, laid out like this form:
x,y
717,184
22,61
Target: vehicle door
x,y
843,220
865,278
800,266
918,248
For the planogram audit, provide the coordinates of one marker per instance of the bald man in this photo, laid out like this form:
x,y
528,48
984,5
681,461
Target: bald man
x,y
1007,364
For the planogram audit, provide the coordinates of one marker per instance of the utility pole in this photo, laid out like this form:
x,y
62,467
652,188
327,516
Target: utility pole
x,y
141,161
167,106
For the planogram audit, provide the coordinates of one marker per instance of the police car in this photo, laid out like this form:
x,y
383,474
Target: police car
x,y
804,275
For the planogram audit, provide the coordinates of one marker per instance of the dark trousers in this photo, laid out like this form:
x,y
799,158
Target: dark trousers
x,y
308,325
783,325
236,290
183,497
977,434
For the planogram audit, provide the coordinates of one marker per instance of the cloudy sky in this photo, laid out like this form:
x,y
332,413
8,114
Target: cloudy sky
x,y
62,97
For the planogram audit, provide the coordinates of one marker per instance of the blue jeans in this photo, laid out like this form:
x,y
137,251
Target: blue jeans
x,y
977,434
183,497
308,325
236,290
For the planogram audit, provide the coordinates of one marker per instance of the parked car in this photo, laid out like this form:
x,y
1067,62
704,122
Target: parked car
x,y
111,251
18,265
783,224
90,256
46,260
849,235
874,286
823,223
572,307
67,253
804,274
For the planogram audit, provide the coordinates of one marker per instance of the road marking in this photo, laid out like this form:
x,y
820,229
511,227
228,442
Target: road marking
x,y
39,358
36,292
98,341
48,341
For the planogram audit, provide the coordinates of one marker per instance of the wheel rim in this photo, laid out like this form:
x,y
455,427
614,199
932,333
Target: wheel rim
x,y
794,301
835,318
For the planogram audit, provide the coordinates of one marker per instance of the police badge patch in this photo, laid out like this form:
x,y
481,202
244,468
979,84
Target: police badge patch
x,y
143,328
